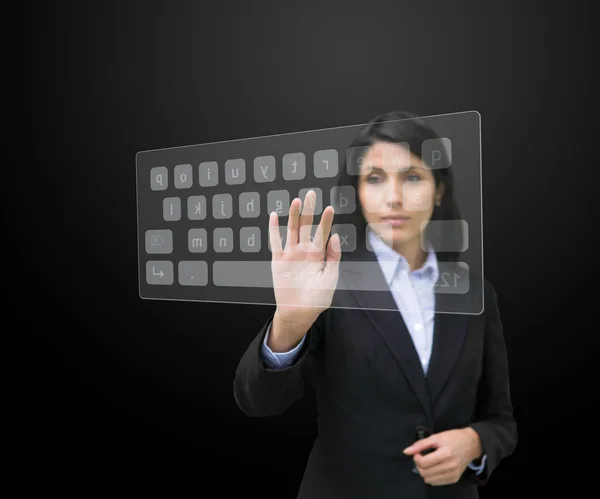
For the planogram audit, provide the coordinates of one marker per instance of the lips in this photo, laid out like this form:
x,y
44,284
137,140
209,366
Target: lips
x,y
395,217
395,220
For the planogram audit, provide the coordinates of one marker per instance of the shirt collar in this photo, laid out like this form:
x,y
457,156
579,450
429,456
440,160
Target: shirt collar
x,y
391,261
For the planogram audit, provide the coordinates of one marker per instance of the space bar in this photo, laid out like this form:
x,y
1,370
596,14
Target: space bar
x,y
244,274
258,274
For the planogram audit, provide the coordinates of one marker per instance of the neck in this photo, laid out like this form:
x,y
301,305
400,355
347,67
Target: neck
x,y
412,251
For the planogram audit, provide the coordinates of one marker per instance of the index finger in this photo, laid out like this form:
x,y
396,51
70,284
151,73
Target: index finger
x,y
432,459
274,234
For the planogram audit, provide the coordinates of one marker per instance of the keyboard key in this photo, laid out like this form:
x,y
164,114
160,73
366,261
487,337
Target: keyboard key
x,y
347,234
453,278
437,153
417,196
208,174
310,231
159,272
159,241
196,206
397,158
171,209
377,203
249,204
183,176
197,240
222,206
326,163
223,240
235,171
244,274
282,234
318,203
159,178
279,202
355,159
343,199
250,239
264,169
446,235
192,273
301,233
294,166
259,274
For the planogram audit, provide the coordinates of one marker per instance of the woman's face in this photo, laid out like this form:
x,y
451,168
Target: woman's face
x,y
397,193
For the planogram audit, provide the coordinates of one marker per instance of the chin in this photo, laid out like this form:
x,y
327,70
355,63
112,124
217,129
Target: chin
x,y
395,235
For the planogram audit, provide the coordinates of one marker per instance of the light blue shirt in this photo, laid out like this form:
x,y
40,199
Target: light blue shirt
x,y
414,294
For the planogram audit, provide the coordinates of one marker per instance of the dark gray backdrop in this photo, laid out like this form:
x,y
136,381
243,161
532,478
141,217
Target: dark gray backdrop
x,y
141,390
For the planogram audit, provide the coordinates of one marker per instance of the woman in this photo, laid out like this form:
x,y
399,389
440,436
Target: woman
x,y
412,404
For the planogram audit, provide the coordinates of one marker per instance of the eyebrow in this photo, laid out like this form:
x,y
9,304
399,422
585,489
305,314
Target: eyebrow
x,y
379,169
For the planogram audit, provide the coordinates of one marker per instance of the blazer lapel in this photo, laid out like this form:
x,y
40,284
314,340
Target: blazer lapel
x,y
450,330
363,278
361,275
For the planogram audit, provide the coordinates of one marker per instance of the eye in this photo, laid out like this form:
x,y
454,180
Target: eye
x,y
373,178
415,177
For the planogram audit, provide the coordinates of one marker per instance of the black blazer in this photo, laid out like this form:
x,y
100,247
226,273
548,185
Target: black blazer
x,y
372,393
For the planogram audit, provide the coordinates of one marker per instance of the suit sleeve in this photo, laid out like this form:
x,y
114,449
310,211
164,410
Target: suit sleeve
x,y
261,390
493,417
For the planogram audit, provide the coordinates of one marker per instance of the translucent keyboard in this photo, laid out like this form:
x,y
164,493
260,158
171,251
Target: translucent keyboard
x,y
203,213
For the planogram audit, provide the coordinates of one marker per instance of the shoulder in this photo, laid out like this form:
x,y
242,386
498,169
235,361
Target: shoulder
x,y
482,291
484,296
491,310
490,295
489,290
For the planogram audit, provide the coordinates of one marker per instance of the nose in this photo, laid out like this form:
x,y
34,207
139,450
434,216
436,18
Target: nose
x,y
393,192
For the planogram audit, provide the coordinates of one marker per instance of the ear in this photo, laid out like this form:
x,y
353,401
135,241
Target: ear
x,y
439,193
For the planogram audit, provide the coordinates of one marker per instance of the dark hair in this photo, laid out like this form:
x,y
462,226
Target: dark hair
x,y
394,127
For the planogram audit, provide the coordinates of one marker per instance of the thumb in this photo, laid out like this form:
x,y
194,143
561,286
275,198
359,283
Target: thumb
x,y
421,445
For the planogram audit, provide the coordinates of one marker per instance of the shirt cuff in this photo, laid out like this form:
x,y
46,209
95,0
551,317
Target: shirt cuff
x,y
279,360
478,468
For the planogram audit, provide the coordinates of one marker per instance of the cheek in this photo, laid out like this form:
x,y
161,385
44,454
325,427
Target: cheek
x,y
363,198
372,200
417,196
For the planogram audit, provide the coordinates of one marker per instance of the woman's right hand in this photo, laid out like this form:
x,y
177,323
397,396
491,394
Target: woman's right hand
x,y
306,271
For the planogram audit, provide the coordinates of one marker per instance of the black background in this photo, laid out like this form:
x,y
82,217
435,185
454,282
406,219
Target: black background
x,y
130,394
